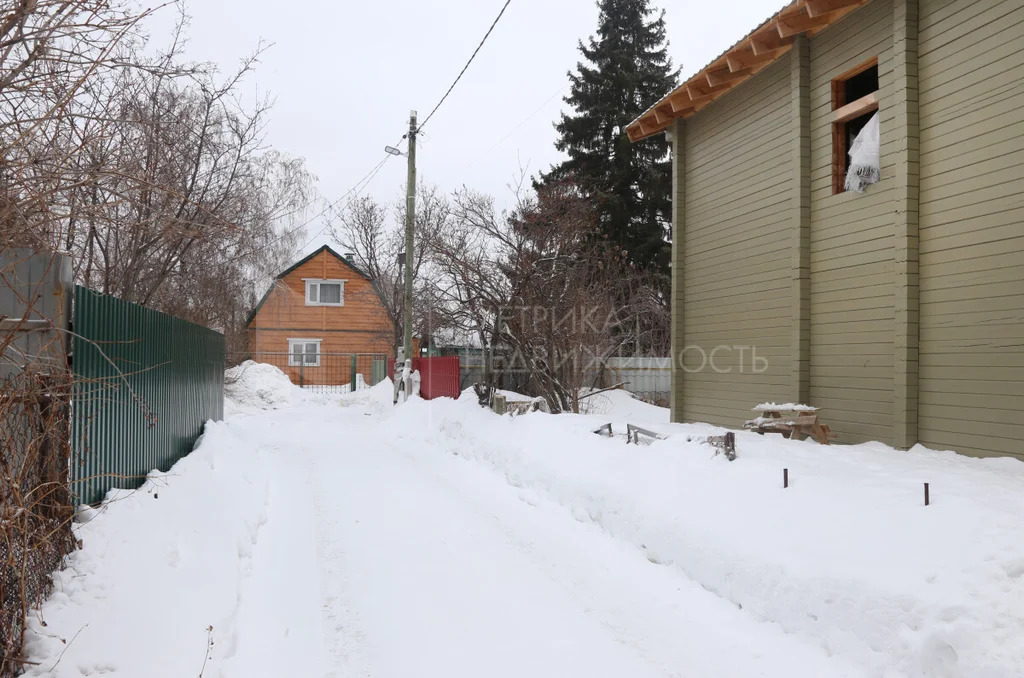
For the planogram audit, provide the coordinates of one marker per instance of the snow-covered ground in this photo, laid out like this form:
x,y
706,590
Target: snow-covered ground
x,y
318,536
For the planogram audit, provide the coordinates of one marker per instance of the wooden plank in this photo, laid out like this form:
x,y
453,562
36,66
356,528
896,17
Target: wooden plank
x,y
681,103
767,43
744,58
855,109
819,8
792,25
726,76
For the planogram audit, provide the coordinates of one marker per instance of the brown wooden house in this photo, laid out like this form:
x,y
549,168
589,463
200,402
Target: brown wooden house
x,y
321,320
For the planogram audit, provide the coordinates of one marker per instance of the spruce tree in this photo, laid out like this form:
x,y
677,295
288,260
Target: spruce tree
x,y
626,69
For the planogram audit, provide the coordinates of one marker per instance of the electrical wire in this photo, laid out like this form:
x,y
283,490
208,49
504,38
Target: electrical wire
x,y
515,129
357,188
364,182
459,76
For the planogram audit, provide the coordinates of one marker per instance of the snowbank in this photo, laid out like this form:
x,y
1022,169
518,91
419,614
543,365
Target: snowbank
x,y
166,569
377,399
254,387
623,405
847,557
618,404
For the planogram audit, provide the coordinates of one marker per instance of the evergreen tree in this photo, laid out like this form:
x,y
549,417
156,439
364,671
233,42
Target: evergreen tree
x,y
626,69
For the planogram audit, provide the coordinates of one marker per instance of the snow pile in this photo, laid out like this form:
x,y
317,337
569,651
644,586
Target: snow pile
x,y
619,404
623,405
847,558
785,407
377,399
168,568
253,387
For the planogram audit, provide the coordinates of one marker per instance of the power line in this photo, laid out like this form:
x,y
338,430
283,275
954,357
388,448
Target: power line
x,y
515,129
365,181
459,76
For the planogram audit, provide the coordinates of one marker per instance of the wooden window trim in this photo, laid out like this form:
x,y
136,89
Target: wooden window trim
x,y
842,112
838,91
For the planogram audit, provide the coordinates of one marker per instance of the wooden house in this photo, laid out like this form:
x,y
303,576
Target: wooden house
x,y
899,310
320,321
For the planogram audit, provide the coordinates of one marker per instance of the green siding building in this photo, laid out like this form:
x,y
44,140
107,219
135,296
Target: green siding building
x,y
899,311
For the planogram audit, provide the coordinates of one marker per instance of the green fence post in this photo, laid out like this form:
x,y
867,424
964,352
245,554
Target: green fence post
x,y
353,382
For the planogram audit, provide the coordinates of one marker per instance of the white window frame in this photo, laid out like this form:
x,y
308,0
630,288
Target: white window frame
x,y
291,352
316,282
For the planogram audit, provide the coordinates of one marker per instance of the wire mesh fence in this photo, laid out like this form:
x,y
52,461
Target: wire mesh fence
x,y
323,372
35,502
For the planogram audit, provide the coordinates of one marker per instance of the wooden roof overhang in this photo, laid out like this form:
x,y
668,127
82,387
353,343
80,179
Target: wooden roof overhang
x,y
759,49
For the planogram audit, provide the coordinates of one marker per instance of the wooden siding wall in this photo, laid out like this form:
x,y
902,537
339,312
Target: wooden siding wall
x,y
899,311
852,306
971,70
737,252
360,326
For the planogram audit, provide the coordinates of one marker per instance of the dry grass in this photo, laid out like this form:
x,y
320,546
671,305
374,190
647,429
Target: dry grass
x,y
36,510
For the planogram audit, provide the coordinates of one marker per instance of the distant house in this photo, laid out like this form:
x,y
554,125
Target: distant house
x,y
899,310
320,318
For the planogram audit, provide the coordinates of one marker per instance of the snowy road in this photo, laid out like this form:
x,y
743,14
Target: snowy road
x,y
315,538
431,565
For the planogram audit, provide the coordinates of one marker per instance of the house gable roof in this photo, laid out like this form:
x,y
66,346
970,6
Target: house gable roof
x,y
757,50
300,262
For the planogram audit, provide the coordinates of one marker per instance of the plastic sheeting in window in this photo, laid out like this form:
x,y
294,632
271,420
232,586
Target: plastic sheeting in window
x,y
865,158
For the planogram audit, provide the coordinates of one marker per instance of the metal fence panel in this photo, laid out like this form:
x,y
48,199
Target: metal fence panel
x,y
145,383
324,372
35,305
35,505
648,377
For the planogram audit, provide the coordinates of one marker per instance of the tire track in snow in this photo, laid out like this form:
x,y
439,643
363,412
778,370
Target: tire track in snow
x,y
670,619
406,535
437,589
345,636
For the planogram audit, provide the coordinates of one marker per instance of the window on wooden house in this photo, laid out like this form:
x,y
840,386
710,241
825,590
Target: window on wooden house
x,y
304,352
325,292
855,128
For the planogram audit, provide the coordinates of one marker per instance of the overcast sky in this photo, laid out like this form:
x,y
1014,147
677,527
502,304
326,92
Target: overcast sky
x,y
344,76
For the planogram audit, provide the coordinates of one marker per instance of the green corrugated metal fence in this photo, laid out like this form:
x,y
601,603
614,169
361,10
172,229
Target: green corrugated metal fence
x,y
145,383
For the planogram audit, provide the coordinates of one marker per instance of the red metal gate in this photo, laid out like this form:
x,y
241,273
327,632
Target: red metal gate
x,y
439,376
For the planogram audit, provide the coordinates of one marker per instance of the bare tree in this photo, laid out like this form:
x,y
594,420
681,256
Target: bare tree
x,y
540,286
51,51
146,169
366,231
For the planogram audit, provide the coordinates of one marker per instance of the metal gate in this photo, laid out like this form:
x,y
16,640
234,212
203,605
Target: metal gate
x,y
324,372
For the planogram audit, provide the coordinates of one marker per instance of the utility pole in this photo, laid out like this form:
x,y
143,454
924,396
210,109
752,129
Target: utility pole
x,y
410,225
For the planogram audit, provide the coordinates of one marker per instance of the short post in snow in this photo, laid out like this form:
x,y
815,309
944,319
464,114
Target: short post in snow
x,y
927,497
785,478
